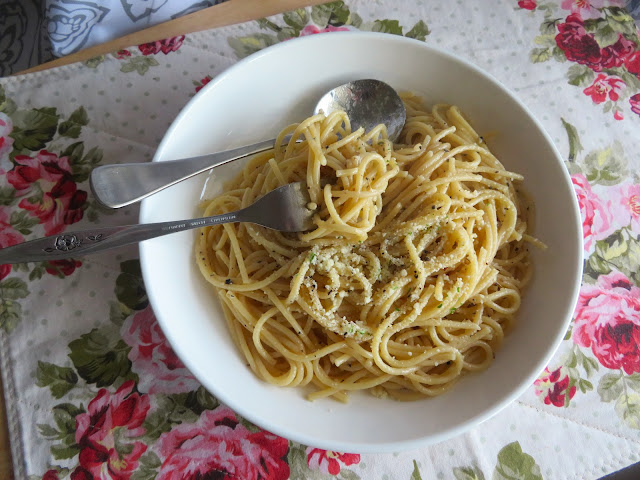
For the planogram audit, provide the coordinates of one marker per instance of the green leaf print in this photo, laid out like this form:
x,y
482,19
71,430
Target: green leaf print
x,y
59,379
23,222
33,129
83,166
558,54
347,474
387,26
94,62
633,381
607,166
620,21
101,357
415,475
575,147
140,64
514,464
245,46
13,289
7,195
468,473
539,55
63,452
72,127
419,31
296,19
7,106
148,467
548,27
130,286
628,408
579,75
606,36
10,315
332,13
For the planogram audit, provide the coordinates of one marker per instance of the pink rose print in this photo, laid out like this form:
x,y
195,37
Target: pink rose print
x,y
152,358
596,217
578,45
312,30
218,446
330,462
8,237
584,8
608,321
165,46
552,387
61,203
121,54
626,205
634,101
62,268
618,115
101,430
604,86
527,4
6,142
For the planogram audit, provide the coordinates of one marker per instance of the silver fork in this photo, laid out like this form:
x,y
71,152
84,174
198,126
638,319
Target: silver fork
x,y
284,209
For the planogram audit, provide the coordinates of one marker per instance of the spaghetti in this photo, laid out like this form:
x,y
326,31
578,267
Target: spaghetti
x,y
411,276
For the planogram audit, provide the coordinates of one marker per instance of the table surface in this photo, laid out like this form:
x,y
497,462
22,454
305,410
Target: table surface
x,y
577,68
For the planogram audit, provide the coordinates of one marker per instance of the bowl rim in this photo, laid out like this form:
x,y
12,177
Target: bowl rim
x,y
472,421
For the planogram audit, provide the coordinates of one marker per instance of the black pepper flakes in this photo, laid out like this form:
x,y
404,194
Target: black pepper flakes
x,y
228,281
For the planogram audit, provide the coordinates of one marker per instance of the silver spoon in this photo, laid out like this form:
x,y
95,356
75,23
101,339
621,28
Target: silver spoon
x,y
367,102
284,209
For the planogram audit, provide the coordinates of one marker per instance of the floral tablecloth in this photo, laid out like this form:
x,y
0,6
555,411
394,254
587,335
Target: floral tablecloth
x,y
92,387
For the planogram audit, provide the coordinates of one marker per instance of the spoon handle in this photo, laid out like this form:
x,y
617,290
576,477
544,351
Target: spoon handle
x,y
84,242
120,185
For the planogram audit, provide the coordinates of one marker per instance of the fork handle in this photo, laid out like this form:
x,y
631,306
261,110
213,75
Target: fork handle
x,y
120,185
75,244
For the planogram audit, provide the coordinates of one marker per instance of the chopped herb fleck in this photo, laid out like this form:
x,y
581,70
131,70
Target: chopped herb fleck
x,y
440,306
228,281
311,257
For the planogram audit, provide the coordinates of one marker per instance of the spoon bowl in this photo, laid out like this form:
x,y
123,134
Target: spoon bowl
x,y
368,103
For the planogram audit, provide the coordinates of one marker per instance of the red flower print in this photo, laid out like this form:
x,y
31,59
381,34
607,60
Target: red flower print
x,y
614,55
618,115
608,321
605,85
165,46
101,430
552,387
329,462
158,367
312,30
218,446
120,54
634,101
578,45
596,216
51,475
6,142
8,237
527,4
53,195
62,268
632,63
203,82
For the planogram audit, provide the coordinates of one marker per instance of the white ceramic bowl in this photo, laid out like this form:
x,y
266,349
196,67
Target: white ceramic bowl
x,y
255,98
